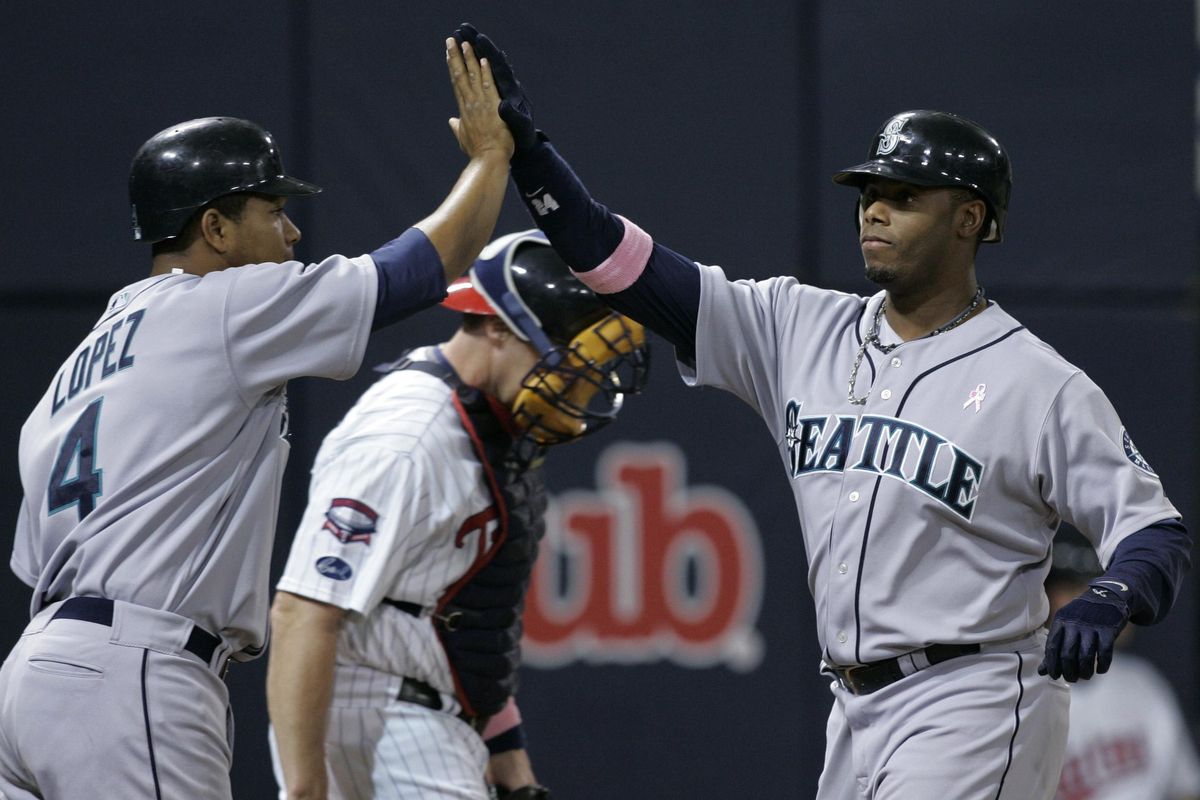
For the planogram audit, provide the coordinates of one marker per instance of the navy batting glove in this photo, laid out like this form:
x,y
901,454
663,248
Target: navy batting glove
x,y
1083,634
515,108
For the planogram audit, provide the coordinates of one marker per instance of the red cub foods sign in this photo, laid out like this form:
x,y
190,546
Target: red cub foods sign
x,y
646,568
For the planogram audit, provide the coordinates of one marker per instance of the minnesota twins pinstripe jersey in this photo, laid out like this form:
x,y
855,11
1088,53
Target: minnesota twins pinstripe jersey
x,y
395,489
928,512
178,513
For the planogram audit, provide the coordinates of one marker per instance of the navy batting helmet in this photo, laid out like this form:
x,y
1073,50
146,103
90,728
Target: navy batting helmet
x,y
180,169
935,148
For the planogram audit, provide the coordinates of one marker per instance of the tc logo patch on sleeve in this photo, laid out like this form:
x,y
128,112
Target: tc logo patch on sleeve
x,y
350,520
334,568
1133,455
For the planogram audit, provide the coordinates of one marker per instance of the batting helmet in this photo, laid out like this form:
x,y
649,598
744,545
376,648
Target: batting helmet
x,y
180,169
935,148
590,357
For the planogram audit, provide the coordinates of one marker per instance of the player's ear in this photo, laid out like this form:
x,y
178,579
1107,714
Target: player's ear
x,y
496,331
970,217
215,230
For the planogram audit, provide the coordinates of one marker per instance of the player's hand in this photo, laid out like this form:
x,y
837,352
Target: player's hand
x,y
515,108
1083,633
478,126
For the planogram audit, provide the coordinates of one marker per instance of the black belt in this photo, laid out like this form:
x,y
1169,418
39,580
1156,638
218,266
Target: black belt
x,y
421,693
872,677
99,610
412,609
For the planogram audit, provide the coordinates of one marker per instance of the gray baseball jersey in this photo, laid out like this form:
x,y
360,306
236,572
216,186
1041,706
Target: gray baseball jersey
x,y
397,509
928,512
152,465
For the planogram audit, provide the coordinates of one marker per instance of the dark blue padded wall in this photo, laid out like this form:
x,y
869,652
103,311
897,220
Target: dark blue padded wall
x,y
716,130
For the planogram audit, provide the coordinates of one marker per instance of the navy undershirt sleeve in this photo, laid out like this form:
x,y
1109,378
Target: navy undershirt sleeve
x,y
665,297
1152,563
411,277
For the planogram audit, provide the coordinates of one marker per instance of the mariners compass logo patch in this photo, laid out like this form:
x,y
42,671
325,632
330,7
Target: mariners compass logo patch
x,y
1133,455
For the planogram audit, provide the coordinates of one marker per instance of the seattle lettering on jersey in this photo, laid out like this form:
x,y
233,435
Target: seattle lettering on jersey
x,y
885,446
100,351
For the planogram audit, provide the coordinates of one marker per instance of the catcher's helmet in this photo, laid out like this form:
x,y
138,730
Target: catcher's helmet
x,y
590,357
521,279
935,148
180,169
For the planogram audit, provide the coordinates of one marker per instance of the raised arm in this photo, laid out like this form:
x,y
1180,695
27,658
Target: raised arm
x,y
464,222
618,260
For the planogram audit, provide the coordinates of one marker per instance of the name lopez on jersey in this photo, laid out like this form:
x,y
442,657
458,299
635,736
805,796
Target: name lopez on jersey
x,y
884,446
102,352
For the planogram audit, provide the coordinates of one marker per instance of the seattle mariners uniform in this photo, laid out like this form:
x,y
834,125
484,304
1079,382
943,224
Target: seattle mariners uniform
x,y
152,465
402,522
927,532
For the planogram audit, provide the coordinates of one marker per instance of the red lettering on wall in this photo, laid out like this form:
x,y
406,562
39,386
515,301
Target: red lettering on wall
x,y
646,568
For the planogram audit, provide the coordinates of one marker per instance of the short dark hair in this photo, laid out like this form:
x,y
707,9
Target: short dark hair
x,y
473,323
230,206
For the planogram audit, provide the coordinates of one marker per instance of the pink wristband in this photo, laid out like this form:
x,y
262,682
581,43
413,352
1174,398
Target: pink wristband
x,y
505,719
624,266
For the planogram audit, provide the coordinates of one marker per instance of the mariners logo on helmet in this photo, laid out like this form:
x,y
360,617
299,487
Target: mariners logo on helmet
x,y
890,137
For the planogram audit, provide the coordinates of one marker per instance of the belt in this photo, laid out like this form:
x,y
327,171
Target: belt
x,y
412,609
868,678
99,610
421,693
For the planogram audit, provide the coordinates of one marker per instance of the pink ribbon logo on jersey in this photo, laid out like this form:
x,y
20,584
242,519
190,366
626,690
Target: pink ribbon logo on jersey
x,y
646,568
351,520
976,396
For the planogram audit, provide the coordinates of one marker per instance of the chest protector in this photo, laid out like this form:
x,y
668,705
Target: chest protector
x,y
478,619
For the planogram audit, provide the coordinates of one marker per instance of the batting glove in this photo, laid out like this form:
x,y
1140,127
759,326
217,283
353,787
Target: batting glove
x,y
515,108
1083,633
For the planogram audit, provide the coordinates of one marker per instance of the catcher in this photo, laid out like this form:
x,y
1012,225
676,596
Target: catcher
x,y
398,617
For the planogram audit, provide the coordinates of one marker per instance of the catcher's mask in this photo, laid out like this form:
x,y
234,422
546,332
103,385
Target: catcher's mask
x,y
590,357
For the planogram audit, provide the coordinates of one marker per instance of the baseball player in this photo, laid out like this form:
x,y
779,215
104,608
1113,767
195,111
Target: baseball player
x,y
933,445
151,467
1127,739
398,614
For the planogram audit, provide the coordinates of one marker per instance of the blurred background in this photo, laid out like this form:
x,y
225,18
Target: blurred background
x,y
716,127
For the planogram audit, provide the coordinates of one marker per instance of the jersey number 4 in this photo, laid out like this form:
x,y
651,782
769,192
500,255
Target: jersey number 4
x,y
75,479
